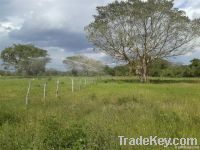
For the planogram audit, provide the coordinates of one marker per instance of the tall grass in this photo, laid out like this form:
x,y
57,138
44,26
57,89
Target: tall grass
x,y
94,117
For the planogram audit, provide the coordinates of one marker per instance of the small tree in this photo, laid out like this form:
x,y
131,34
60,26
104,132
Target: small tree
x,y
139,32
83,64
25,58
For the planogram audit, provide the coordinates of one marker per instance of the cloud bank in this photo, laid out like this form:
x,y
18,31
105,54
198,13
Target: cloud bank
x,y
58,25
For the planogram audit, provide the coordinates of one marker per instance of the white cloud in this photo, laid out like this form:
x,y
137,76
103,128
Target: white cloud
x,y
57,56
58,24
192,7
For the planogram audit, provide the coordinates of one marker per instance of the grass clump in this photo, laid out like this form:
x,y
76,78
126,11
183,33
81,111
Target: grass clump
x,y
10,117
56,136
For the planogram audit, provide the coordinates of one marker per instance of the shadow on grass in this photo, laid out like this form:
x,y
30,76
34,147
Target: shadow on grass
x,y
155,81
159,81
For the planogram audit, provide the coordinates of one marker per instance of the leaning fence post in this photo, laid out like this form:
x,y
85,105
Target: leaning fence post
x,y
28,92
57,88
72,85
44,96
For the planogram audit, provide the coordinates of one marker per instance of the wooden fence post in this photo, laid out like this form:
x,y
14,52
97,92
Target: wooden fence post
x,y
57,88
28,92
72,85
44,96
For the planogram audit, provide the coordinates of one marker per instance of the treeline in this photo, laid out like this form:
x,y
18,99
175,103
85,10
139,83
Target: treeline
x,y
46,72
161,68
28,60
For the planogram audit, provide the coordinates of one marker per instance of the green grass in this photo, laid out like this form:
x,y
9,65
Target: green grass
x,y
94,117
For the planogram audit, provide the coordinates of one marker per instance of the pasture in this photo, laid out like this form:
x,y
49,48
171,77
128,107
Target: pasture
x,y
94,115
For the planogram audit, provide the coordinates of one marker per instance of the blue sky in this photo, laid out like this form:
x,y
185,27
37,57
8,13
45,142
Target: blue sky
x,y
58,26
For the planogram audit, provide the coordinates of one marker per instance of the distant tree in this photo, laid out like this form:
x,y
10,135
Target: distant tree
x,y
109,71
54,72
195,67
187,72
122,70
195,62
2,73
157,67
82,64
139,32
26,59
37,65
162,68
51,71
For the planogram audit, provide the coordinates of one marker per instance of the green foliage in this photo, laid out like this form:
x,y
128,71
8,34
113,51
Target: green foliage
x,y
55,136
158,66
26,59
195,67
109,71
139,32
122,70
9,117
170,122
161,68
17,137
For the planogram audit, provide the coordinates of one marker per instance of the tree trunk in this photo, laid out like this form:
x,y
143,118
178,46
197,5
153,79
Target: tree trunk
x,y
143,73
131,68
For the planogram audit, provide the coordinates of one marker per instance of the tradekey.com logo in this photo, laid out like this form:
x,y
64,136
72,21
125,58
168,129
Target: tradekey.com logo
x,y
179,143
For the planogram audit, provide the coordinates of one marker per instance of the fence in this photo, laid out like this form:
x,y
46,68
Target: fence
x,y
71,85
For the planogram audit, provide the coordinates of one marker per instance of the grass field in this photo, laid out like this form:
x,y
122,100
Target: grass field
x,y
93,117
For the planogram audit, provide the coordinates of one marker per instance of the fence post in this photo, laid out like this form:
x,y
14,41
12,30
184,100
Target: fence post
x,y
44,96
28,92
57,87
72,85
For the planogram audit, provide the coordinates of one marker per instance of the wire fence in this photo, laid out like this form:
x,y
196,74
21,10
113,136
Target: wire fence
x,y
42,90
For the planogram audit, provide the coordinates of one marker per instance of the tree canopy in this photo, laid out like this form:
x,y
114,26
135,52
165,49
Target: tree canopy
x,y
139,32
26,59
80,63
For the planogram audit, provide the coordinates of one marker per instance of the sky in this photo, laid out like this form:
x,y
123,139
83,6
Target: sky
x,y
58,26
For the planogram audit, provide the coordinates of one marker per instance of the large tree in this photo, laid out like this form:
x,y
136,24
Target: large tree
x,y
139,32
82,64
26,59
